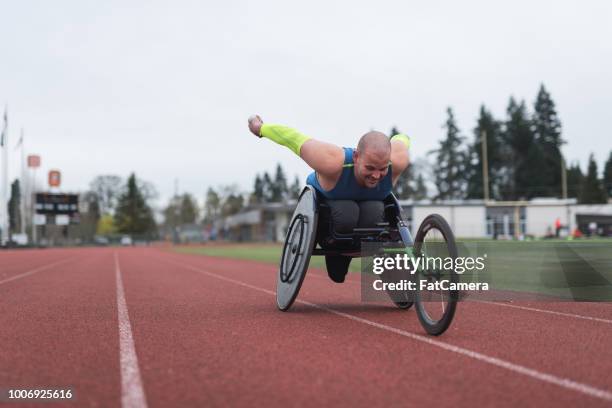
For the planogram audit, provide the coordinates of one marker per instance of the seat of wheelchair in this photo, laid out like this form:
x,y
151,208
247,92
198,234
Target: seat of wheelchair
x,y
329,239
340,247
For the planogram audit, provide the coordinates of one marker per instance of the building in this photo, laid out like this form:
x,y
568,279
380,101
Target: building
x,y
467,218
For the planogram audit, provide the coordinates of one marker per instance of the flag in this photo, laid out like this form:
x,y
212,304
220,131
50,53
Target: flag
x,y
5,124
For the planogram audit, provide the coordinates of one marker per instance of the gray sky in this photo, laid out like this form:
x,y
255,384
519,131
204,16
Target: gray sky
x,y
165,88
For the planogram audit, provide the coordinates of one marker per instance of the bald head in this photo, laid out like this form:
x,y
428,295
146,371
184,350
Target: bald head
x,y
374,142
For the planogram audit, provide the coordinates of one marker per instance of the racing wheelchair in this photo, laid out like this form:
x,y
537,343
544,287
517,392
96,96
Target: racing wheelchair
x,y
311,235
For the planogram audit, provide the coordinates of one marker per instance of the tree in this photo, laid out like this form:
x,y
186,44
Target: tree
x,y
592,191
106,225
148,190
189,209
181,210
420,192
232,205
14,208
450,162
547,132
212,206
107,188
89,219
133,215
495,157
295,189
267,186
524,156
279,186
607,176
258,190
574,180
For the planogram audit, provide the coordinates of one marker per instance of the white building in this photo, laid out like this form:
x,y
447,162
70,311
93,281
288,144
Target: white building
x,y
467,218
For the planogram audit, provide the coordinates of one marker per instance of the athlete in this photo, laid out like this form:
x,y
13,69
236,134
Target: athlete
x,y
354,181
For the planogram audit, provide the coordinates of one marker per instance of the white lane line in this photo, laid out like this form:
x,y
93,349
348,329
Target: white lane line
x,y
132,393
35,270
533,309
516,368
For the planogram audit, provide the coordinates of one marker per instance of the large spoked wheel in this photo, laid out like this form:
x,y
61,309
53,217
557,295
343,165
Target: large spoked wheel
x,y
297,249
435,303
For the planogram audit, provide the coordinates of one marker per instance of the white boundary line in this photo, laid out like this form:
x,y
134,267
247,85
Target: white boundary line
x,y
516,368
533,309
35,270
132,393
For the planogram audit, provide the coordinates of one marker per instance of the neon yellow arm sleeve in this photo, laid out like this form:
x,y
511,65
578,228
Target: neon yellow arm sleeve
x,y
402,138
284,136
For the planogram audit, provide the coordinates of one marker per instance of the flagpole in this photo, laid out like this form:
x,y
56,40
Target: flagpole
x,y
23,190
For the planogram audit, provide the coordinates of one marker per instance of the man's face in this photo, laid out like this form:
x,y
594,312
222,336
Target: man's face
x,y
371,166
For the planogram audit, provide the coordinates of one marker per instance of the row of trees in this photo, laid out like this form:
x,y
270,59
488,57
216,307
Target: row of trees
x,y
523,154
113,206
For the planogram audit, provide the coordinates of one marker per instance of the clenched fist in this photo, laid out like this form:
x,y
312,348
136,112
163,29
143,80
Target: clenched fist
x,y
255,124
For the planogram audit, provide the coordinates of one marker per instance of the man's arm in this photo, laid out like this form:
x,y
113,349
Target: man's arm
x,y
400,159
324,158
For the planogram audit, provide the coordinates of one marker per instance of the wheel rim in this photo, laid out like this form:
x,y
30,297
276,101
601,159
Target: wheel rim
x,y
292,249
435,303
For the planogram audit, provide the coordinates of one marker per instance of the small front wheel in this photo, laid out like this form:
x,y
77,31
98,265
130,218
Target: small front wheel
x,y
436,300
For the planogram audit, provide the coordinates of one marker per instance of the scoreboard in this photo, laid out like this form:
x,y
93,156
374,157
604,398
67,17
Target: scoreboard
x,y
55,203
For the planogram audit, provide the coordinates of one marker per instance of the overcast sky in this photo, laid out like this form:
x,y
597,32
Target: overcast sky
x,y
165,88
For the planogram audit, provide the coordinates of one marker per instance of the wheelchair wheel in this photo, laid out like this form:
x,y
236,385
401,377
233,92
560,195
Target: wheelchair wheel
x,y
435,306
297,249
403,300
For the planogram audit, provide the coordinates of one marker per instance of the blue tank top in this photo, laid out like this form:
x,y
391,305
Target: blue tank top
x,y
347,187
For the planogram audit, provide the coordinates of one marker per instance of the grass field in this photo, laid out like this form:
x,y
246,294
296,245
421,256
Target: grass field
x,y
270,253
580,269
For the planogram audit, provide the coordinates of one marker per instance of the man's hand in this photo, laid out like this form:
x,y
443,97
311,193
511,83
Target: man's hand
x,y
255,124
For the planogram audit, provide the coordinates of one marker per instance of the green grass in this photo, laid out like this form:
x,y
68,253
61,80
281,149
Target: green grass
x,y
545,266
270,253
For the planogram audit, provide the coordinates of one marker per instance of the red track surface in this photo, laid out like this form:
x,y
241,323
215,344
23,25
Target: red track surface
x,y
206,332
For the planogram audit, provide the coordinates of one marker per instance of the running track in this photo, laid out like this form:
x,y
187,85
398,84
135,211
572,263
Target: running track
x,y
136,327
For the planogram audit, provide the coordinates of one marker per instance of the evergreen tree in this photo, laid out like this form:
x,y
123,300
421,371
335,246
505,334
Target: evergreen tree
x,y
189,209
420,192
14,208
495,157
592,191
295,189
268,191
607,176
547,131
258,190
574,181
524,158
279,186
450,162
133,215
